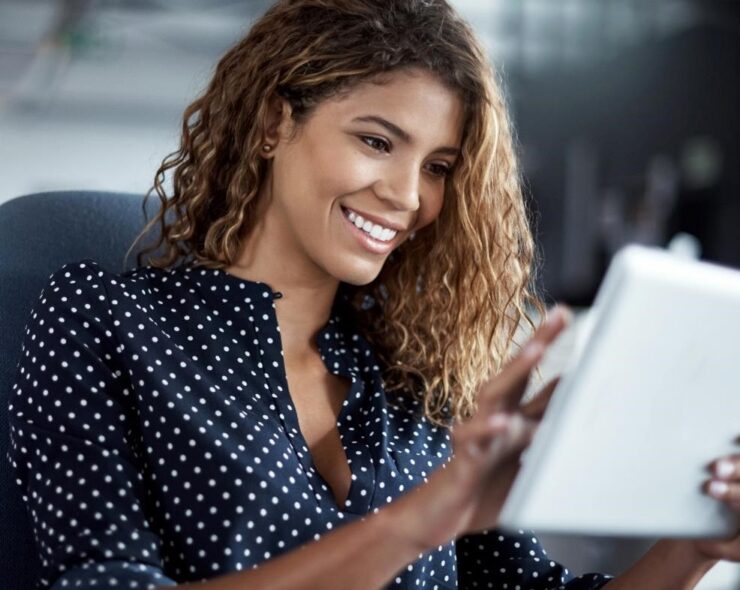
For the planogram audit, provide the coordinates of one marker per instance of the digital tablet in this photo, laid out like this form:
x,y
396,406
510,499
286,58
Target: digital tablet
x,y
650,398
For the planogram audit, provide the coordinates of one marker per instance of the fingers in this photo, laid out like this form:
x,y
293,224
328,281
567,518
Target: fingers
x,y
505,390
722,490
519,433
535,409
725,487
725,482
497,438
727,468
480,433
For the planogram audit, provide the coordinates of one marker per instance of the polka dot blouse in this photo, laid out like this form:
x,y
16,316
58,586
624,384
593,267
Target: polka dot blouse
x,y
155,442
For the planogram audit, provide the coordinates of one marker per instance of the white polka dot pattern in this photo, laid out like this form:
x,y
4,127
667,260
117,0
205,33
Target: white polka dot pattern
x,y
508,561
155,443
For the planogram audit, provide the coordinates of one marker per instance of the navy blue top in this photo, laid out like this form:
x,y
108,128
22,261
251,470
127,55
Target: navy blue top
x,y
154,438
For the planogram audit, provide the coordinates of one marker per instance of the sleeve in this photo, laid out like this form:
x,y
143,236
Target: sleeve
x,y
72,443
494,559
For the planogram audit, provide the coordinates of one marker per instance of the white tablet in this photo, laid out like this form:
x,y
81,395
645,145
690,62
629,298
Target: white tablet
x,y
651,399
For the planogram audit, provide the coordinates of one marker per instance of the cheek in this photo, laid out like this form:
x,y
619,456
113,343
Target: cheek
x,y
350,172
336,172
429,209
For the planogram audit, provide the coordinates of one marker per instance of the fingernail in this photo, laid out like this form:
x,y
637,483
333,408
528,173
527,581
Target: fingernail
x,y
558,312
498,420
533,350
724,468
473,450
554,316
718,488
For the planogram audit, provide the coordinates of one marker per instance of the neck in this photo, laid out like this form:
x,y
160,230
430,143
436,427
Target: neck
x,y
269,255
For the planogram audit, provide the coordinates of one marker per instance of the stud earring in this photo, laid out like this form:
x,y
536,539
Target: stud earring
x,y
266,148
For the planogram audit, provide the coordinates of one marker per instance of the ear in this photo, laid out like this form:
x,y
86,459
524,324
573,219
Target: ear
x,y
276,124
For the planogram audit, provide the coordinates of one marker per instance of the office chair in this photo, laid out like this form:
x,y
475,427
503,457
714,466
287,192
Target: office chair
x,y
39,233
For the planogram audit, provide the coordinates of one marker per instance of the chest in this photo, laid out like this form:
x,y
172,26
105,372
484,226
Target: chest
x,y
317,396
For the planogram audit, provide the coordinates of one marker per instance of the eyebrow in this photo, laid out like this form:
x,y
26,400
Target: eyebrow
x,y
398,132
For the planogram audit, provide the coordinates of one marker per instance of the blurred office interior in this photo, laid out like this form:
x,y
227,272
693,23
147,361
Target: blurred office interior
x,y
627,114
626,110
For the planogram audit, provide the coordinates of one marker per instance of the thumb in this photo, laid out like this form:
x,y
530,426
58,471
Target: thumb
x,y
536,407
510,443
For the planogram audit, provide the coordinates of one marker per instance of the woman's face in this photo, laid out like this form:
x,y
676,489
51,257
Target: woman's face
x,y
362,172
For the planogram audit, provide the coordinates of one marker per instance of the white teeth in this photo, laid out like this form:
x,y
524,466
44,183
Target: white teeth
x,y
376,231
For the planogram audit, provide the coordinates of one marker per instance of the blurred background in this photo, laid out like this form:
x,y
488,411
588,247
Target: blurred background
x,y
627,110
627,113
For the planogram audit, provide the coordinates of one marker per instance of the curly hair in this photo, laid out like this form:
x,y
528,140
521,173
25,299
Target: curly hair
x,y
447,304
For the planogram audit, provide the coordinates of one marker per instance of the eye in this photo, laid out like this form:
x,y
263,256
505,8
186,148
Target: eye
x,y
377,143
441,170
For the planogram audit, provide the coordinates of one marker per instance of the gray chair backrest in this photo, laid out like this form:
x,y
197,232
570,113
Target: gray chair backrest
x,y
39,233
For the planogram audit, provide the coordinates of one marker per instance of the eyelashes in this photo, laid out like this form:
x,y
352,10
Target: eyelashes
x,y
377,143
440,170
381,145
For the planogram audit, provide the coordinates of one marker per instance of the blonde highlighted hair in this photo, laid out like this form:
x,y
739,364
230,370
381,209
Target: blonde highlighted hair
x,y
447,304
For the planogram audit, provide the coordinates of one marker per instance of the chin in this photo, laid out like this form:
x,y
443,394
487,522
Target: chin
x,y
358,274
359,279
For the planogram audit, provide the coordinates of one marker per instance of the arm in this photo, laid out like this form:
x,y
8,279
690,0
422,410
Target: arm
x,y
668,565
362,555
72,444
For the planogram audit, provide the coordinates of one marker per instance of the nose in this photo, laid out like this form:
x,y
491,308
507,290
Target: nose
x,y
400,187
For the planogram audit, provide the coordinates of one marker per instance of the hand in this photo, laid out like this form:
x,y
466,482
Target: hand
x,y
501,398
725,487
468,493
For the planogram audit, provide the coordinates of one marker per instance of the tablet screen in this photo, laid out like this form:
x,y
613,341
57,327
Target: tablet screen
x,y
650,400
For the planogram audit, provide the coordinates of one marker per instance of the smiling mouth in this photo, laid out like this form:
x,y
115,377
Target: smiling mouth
x,y
373,230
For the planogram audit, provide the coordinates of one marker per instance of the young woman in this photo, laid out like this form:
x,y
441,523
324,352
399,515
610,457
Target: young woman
x,y
312,385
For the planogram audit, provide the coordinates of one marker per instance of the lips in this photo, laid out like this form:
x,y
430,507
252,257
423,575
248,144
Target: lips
x,y
376,220
378,232
365,240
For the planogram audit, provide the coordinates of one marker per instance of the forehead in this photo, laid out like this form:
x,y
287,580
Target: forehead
x,y
415,100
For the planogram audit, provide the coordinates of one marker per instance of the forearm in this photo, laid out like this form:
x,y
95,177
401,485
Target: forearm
x,y
362,555
668,565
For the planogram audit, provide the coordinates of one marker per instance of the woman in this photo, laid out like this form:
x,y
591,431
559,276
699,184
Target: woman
x,y
310,387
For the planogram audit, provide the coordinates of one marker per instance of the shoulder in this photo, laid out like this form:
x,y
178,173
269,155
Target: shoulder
x,y
85,293
89,281
84,303
76,286
70,321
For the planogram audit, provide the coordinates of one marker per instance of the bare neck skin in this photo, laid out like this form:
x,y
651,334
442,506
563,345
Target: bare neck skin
x,y
268,255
